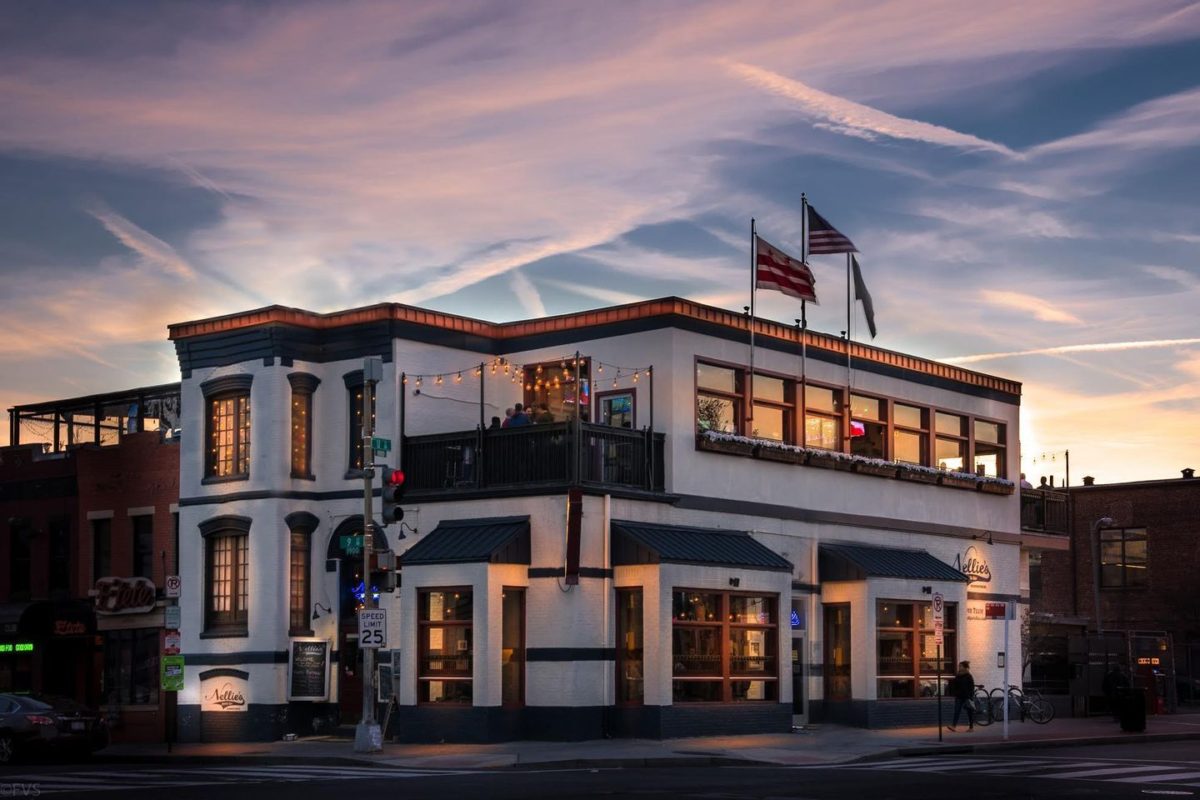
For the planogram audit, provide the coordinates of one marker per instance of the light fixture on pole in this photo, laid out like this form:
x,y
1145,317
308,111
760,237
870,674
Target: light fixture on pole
x,y
1103,522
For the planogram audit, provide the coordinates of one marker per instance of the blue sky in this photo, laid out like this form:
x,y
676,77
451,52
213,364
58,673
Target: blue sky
x,y
1020,180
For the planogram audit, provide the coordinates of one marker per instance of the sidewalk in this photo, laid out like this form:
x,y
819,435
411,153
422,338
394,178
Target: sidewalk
x,y
817,744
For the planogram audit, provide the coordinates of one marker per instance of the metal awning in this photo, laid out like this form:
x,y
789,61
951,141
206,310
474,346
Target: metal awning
x,y
655,543
494,540
856,562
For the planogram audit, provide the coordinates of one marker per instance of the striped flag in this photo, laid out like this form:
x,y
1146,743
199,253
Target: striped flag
x,y
775,269
824,238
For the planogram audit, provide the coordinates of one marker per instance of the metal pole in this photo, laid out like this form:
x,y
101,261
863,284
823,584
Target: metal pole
x,y
367,736
749,413
939,690
1008,606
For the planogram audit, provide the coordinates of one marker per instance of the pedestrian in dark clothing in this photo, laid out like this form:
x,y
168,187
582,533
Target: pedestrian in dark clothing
x,y
519,417
963,689
495,426
1115,683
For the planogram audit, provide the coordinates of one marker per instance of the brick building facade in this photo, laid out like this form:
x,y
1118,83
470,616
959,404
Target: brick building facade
x,y
1148,537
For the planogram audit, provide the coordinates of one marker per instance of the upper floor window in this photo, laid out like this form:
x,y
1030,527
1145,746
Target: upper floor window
x,y
303,387
354,393
718,398
60,556
20,554
910,434
773,409
950,443
823,417
868,426
101,548
989,448
1123,558
227,402
143,545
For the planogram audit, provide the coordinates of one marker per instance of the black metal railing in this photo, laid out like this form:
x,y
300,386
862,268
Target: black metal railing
x,y
1043,510
535,455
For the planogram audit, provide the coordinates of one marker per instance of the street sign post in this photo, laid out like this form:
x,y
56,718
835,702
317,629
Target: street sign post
x,y
372,628
380,445
939,630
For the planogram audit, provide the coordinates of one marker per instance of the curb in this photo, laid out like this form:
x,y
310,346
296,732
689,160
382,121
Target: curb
x,y
1022,744
209,761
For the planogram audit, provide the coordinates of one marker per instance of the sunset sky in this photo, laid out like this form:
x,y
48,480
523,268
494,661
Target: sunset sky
x,y
1021,178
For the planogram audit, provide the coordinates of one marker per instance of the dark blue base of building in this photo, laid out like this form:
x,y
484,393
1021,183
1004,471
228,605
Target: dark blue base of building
x,y
258,723
881,713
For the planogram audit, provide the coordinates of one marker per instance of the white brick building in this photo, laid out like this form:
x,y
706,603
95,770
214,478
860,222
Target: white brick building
x,y
739,561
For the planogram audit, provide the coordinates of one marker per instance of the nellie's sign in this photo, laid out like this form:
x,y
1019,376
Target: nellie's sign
x,y
123,595
974,566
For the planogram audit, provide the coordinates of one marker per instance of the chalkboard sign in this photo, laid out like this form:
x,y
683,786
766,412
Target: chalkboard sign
x,y
308,669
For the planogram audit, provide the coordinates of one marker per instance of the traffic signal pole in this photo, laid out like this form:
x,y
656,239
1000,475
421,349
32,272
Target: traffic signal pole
x,y
368,738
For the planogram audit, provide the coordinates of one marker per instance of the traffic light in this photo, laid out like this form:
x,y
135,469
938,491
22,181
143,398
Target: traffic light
x,y
393,495
383,574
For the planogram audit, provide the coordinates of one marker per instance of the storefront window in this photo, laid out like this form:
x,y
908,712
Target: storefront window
x,y
445,649
131,666
227,588
906,648
724,646
631,646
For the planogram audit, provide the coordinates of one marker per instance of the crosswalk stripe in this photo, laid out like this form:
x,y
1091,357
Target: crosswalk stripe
x,y
932,764
1170,777
1091,773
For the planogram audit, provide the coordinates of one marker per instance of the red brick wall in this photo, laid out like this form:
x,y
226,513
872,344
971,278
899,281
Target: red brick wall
x,y
24,482
1170,513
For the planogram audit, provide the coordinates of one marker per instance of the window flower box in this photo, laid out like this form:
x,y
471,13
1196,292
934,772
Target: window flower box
x,y
875,468
918,474
996,486
784,455
958,480
828,460
725,444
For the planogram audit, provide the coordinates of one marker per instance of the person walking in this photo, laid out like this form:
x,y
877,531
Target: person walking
x,y
963,689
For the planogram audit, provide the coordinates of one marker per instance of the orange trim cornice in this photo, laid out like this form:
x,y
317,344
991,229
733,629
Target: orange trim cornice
x,y
667,306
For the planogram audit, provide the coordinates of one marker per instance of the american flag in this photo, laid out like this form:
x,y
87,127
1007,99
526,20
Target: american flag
x,y
824,238
775,269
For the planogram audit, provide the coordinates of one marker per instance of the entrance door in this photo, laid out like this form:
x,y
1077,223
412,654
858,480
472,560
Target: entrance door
x,y
799,712
837,652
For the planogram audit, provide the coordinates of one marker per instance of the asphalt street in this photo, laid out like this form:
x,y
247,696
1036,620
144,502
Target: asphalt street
x,y
1124,771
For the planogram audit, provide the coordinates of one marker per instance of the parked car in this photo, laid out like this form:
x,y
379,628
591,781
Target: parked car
x,y
48,724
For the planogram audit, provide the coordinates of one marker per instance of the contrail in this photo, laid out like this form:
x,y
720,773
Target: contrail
x,y
1072,348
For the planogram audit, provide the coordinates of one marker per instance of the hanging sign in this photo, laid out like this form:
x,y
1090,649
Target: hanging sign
x,y
123,595
172,673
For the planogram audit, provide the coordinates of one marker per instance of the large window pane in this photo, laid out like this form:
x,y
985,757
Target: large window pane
x,y
987,432
910,447
909,416
949,423
445,663
696,606
823,432
752,610
767,388
951,454
752,651
715,413
721,379
865,407
768,423
867,439
819,398
697,651
631,648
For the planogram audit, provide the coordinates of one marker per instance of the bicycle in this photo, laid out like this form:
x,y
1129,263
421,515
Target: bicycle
x,y
1028,704
983,706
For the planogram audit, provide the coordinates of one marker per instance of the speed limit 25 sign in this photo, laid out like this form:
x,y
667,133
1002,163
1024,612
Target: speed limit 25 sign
x,y
372,628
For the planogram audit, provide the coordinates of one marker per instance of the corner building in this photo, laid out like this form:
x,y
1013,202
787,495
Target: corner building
x,y
669,549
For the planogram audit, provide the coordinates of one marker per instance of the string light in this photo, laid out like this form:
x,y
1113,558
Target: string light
x,y
458,378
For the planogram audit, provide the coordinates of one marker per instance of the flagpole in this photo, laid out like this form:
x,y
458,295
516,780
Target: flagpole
x,y
803,325
753,287
849,288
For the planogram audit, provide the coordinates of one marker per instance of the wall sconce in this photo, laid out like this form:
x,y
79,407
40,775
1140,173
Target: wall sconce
x,y
735,582
926,590
317,610
987,536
